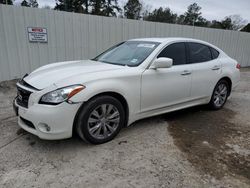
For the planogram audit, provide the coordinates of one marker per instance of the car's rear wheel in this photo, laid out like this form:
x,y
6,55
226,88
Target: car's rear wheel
x,y
100,120
220,95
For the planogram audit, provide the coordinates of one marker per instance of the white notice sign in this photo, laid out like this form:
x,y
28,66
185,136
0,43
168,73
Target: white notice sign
x,y
37,34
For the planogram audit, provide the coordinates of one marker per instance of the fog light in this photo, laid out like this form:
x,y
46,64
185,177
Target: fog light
x,y
44,127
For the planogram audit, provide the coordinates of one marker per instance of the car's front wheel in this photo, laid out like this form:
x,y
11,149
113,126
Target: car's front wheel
x,y
100,119
220,95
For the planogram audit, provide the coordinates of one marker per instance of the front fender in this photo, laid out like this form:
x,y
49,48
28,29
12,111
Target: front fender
x,y
128,88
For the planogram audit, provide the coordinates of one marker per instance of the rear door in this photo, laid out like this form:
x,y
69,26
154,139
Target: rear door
x,y
206,69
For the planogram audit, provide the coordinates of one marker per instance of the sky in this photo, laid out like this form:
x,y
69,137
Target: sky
x,y
211,9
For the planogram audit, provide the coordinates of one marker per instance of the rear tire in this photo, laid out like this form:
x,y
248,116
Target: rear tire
x,y
220,95
100,120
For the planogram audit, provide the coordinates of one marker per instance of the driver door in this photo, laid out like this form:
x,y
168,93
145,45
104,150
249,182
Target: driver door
x,y
165,87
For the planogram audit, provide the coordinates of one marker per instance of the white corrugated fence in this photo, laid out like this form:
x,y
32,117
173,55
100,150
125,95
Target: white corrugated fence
x,y
74,36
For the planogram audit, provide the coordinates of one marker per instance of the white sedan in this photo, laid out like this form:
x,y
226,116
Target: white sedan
x,y
130,81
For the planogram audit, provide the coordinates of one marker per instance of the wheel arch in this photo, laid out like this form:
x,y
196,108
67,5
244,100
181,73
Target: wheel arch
x,y
116,95
229,81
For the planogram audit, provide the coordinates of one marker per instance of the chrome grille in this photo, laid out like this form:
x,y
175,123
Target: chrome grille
x,y
22,97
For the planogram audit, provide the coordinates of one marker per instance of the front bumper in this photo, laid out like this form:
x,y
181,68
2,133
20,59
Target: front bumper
x,y
59,119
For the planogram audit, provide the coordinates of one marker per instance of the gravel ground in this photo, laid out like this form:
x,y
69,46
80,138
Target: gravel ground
x,y
195,147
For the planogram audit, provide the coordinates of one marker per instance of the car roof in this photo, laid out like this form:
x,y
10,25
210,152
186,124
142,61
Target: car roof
x,y
168,39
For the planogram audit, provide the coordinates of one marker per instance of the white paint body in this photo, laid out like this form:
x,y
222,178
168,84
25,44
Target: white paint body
x,y
148,92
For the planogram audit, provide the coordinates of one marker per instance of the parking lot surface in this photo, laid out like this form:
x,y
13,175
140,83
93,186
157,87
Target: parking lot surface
x,y
194,147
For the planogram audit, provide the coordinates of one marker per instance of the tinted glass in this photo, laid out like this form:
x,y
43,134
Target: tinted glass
x,y
131,53
176,51
199,53
215,53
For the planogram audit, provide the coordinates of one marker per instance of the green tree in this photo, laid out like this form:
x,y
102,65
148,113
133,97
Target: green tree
x,y
77,6
97,6
162,15
224,24
64,5
216,24
9,2
132,9
246,28
227,23
70,5
181,19
86,4
202,22
31,3
110,7
237,21
25,3
34,3
193,14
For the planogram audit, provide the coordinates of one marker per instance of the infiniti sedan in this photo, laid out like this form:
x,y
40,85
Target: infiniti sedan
x,y
135,79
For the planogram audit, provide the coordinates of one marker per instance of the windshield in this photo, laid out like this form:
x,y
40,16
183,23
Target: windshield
x,y
131,53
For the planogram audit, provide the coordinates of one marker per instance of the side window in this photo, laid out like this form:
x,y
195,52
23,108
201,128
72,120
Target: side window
x,y
199,53
176,51
215,53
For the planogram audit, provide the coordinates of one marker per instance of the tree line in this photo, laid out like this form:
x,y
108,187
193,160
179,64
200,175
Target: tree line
x,y
136,9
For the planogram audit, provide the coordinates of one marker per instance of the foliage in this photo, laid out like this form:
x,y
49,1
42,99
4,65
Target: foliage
x,y
25,3
181,19
224,24
33,3
193,14
110,8
30,3
9,2
136,9
86,5
237,21
97,7
69,5
227,23
162,15
132,9
246,28
216,24
202,22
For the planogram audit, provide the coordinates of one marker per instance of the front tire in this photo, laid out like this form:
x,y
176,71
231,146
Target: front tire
x,y
100,120
220,95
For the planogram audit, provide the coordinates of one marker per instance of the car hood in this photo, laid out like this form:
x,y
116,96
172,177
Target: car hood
x,y
53,73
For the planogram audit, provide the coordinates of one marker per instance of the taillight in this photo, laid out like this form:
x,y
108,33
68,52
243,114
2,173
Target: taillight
x,y
238,66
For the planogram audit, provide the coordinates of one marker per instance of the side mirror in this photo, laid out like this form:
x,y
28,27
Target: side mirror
x,y
162,62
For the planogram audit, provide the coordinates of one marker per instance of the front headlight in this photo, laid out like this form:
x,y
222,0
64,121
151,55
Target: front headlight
x,y
61,95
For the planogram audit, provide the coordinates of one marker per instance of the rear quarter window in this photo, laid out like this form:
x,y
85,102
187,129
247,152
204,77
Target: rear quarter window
x,y
215,53
199,53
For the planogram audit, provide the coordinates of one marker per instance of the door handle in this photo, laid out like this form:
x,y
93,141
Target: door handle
x,y
216,67
185,72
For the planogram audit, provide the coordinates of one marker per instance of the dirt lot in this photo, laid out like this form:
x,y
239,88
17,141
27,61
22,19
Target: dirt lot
x,y
195,147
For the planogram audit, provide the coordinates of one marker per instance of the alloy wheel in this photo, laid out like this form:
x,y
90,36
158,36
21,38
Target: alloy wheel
x,y
220,95
103,121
